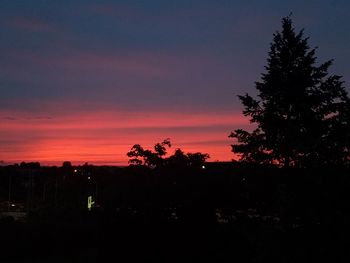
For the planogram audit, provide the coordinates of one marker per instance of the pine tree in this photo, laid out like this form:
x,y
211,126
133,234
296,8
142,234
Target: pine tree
x,y
302,113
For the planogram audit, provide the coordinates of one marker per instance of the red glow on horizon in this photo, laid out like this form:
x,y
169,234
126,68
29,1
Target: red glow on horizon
x,y
105,137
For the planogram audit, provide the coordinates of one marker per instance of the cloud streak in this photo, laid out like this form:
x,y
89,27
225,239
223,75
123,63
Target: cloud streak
x,y
30,24
99,137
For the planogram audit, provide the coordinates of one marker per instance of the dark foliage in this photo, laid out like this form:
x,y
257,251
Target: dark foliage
x,y
302,114
156,159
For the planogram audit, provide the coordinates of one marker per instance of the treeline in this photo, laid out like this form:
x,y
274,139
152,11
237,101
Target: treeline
x,y
286,193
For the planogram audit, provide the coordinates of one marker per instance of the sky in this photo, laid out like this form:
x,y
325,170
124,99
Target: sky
x,y
83,81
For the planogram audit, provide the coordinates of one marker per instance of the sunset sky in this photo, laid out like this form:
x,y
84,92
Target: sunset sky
x,y
85,80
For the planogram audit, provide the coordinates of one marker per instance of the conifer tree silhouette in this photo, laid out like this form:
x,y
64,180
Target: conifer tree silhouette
x,y
302,113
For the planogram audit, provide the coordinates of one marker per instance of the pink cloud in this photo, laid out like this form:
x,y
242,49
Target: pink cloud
x,y
145,64
29,24
119,119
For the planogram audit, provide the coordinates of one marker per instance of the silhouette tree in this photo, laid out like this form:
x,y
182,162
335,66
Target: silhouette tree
x,y
178,159
139,156
67,164
302,114
150,158
197,159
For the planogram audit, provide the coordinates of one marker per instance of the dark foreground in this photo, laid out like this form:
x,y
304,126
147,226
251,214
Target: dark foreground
x,y
217,214
247,239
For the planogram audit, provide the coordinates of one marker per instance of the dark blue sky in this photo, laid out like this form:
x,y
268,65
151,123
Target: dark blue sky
x,y
180,58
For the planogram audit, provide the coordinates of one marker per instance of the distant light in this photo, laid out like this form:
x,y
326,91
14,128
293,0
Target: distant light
x,y
89,177
203,166
75,170
90,203
13,205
